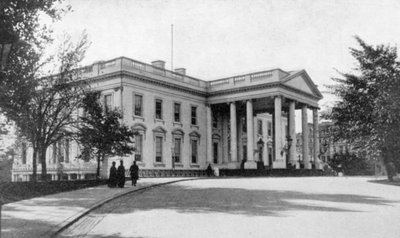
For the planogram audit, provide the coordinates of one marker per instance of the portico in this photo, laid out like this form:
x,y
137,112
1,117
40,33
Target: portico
x,y
262,122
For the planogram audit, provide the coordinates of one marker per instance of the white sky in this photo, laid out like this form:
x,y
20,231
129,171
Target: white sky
x,y
216,38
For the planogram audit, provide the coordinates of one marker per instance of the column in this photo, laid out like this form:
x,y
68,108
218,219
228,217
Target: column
x,y
279,159
315,137
250,163
305,131
292,132
209,134
233,132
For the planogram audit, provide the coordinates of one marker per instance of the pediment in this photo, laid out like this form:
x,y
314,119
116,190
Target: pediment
x,y
139,127
301,81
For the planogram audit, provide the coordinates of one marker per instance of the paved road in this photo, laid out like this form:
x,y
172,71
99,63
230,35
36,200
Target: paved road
x,y
251,207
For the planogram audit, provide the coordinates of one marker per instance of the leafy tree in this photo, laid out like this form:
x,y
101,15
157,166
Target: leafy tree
x,y
369,109
101,133
41,107
350,164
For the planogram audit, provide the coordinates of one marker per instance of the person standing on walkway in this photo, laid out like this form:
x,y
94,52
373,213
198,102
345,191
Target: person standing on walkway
x,y
121,175
112,180
134,169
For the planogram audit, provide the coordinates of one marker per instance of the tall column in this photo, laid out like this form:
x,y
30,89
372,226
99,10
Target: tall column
x,y
209,134
279,160
250,163
233,132
305,131
292,132
315,137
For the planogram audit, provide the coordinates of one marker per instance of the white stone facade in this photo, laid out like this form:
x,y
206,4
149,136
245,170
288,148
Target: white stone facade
x,y
200,122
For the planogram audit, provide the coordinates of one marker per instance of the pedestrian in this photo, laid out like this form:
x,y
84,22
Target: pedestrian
x,y
112,180
209,170
121,174
134,169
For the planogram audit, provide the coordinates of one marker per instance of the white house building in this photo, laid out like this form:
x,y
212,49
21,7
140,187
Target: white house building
x,y
185,123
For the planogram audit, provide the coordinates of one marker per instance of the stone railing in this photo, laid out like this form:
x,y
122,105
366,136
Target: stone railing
x,y
85,166
257,78
125,64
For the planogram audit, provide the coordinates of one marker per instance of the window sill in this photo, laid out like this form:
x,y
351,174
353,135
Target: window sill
x,y
159,120
138,118
180,165
175,123
194,126
194,166
159,164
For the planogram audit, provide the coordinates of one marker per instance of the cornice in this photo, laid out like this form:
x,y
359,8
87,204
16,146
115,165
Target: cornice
x,y
201,93
147,80
263,86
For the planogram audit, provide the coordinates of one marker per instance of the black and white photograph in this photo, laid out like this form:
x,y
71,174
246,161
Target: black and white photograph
x,y
207,118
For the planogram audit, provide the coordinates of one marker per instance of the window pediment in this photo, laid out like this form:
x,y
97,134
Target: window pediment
x,y
178,132
159,130
216,136
194,134
139,127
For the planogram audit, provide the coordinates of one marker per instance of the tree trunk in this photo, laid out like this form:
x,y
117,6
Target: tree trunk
x,y
98,168
42,157
34,165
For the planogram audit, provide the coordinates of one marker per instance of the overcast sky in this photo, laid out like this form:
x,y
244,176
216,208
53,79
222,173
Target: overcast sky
x,y
217,38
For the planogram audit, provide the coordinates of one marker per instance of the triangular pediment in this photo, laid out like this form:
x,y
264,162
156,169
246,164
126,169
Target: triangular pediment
x,y
302,82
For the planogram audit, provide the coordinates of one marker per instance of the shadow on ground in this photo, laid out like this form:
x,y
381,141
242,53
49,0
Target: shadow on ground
x,y
386,182
234,201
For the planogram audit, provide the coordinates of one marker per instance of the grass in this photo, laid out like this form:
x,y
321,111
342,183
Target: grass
x,y
16,191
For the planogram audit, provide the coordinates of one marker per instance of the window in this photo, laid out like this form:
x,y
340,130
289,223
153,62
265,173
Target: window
x,y
194,151
23,153
107,102
177,150
215,152
177,112
60,151
194,115
159,148
138,111
139,147
158,109
341,149
214,121
244,124
66,150
259,127
270,156
260,152
269,128
194,144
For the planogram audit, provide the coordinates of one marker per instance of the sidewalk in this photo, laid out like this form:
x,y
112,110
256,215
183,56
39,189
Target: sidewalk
x,y
44,216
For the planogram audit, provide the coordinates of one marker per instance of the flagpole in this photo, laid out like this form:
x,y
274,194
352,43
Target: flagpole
x,y
172,47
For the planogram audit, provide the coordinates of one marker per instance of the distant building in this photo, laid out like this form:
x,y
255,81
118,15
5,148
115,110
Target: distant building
x,y
185,123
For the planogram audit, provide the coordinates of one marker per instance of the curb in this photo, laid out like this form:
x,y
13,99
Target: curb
x,y
71,220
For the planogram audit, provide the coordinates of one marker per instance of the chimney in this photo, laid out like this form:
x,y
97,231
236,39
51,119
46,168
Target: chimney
x,y
181,71
158,64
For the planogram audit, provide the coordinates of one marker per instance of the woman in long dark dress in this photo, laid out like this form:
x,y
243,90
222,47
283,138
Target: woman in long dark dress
x,y
134,169
112,180
121,175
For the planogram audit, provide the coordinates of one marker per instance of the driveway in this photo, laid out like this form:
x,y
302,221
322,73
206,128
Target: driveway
x,y
251,207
